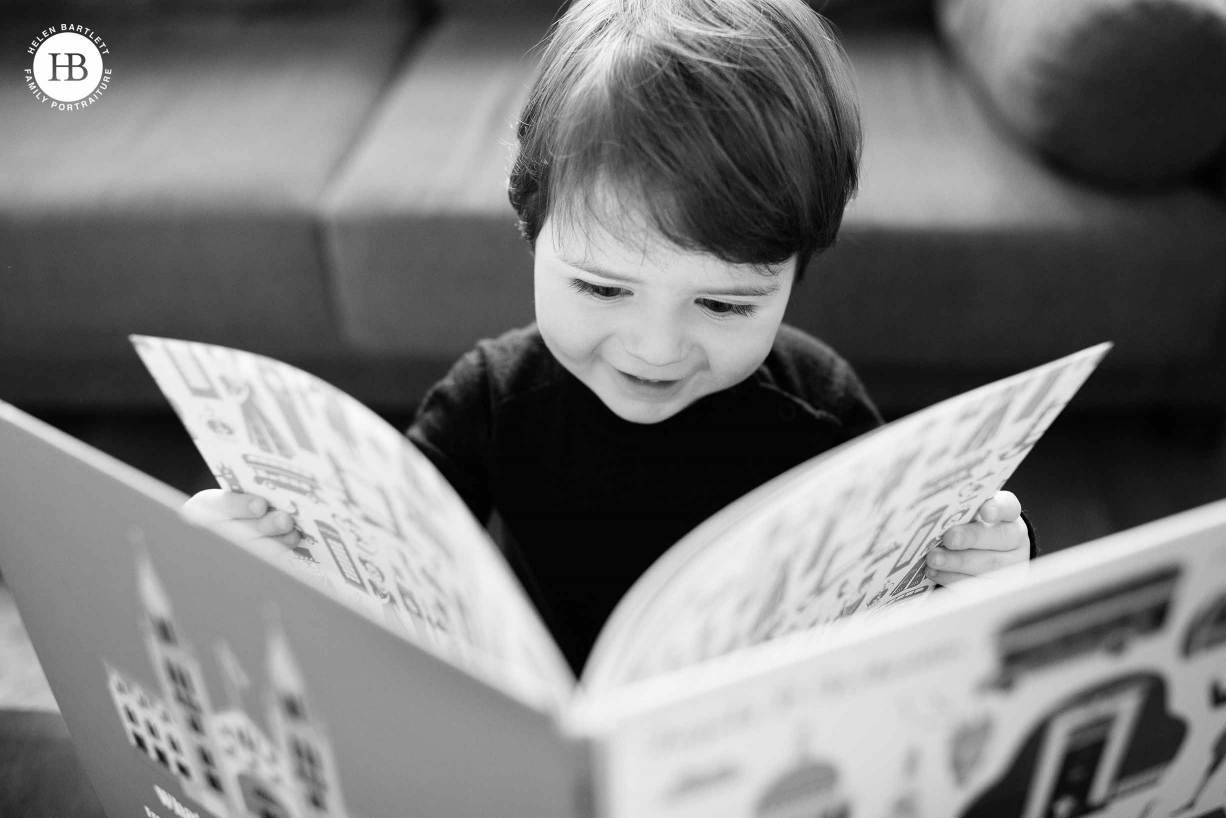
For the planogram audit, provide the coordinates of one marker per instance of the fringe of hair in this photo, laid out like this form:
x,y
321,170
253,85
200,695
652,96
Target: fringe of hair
x,y
730,125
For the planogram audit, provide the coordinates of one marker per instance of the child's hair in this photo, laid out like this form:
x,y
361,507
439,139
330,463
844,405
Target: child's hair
x,y
733,122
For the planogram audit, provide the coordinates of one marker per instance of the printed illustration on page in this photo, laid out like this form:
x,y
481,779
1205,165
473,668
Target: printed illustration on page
x,y
844,534
381,529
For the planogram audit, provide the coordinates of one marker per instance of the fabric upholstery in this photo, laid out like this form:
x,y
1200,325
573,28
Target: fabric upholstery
x,y
962,249
874,13
311,188
955,225
501,8
419,230
1131,92
86,10
183,202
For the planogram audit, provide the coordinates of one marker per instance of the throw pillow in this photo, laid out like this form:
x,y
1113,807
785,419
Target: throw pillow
x,y
1126,91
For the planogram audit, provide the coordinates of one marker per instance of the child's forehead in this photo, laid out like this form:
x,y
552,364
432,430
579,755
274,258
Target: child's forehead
x,y
585,233
643,255
605,212
603,229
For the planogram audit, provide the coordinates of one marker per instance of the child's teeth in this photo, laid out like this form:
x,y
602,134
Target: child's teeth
x,y
650,380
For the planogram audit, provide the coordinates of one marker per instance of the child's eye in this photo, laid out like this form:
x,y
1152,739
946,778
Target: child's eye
x,y
725,308
596,290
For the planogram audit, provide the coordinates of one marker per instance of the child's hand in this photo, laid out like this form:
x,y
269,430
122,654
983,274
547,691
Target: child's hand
x,y
243,517
997,539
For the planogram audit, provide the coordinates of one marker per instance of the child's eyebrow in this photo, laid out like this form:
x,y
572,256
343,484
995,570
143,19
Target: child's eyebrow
x,y
597,270
743,291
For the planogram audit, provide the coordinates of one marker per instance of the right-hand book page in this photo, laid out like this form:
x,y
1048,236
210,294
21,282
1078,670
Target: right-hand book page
x,y
845,533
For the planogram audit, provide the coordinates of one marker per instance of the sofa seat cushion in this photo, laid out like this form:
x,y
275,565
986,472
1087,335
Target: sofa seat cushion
x,y
184,201
963,249
418,226
1131,92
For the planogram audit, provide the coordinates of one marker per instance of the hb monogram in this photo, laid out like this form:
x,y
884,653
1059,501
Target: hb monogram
x,y
71,66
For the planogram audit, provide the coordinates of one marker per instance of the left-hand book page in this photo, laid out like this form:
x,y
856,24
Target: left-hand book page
x,y
381,530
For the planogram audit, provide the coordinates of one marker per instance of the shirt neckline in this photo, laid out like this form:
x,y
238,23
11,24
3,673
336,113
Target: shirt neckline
x,y
680,427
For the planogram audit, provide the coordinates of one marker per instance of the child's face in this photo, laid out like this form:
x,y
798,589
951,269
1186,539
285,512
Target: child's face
x,y
651,331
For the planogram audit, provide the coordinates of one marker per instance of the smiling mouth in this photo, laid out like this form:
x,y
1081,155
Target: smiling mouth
x,y
650,383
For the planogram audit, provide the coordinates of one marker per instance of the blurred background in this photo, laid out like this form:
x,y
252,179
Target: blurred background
x,y
324,182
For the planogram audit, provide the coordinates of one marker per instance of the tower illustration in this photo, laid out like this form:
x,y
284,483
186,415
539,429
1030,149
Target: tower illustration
x,y
187,698
222,759
308,754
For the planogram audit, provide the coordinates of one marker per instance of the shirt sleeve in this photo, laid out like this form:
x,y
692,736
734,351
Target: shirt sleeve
x,y
856,409
452,428
1032,535
815,373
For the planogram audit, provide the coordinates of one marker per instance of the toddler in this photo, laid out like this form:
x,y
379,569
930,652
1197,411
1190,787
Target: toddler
x,y
679,164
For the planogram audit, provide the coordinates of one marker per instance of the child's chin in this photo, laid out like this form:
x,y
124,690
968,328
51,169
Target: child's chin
x,y
634,412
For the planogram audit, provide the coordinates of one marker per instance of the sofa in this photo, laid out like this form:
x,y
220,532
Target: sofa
x,y
324,182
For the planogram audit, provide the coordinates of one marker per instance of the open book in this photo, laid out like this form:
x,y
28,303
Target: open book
x,y
844,533
392,666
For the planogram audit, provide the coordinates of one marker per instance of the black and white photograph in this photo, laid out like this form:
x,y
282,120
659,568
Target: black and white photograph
x,y
613,408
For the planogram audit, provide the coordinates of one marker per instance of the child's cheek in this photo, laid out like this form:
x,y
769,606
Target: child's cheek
x,y
568,332
740,356
727,364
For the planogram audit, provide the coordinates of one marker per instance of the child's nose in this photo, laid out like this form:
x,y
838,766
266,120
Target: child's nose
x,y
656,344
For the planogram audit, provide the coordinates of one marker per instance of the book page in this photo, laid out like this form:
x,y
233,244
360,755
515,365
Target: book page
x,y
198,679
381,529
846,533
1096,685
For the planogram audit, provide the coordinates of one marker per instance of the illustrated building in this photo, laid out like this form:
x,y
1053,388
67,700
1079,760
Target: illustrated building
x,y
222,759
150,727
1095,748
810,789
308,755
1106,620
1207,629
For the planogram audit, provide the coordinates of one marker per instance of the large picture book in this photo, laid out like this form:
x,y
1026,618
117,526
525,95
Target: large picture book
x,y
845,533
786,658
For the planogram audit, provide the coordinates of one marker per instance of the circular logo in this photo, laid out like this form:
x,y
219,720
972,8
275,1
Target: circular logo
x,y
68,70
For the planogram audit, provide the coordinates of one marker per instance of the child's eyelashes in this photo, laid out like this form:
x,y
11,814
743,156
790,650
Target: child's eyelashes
x,y
727,308
719,309
596,290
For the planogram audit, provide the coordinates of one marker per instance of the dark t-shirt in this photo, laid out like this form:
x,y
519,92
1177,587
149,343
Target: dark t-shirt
x,y
587,501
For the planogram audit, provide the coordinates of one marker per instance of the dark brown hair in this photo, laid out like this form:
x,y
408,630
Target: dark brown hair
x,y
733,122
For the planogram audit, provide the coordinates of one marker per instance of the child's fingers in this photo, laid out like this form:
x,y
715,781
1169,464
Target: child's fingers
x,y
273,548
974,562
274,524
999,537
1001,507
291,539
947,577
218,505
244,518
287,540
270,540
